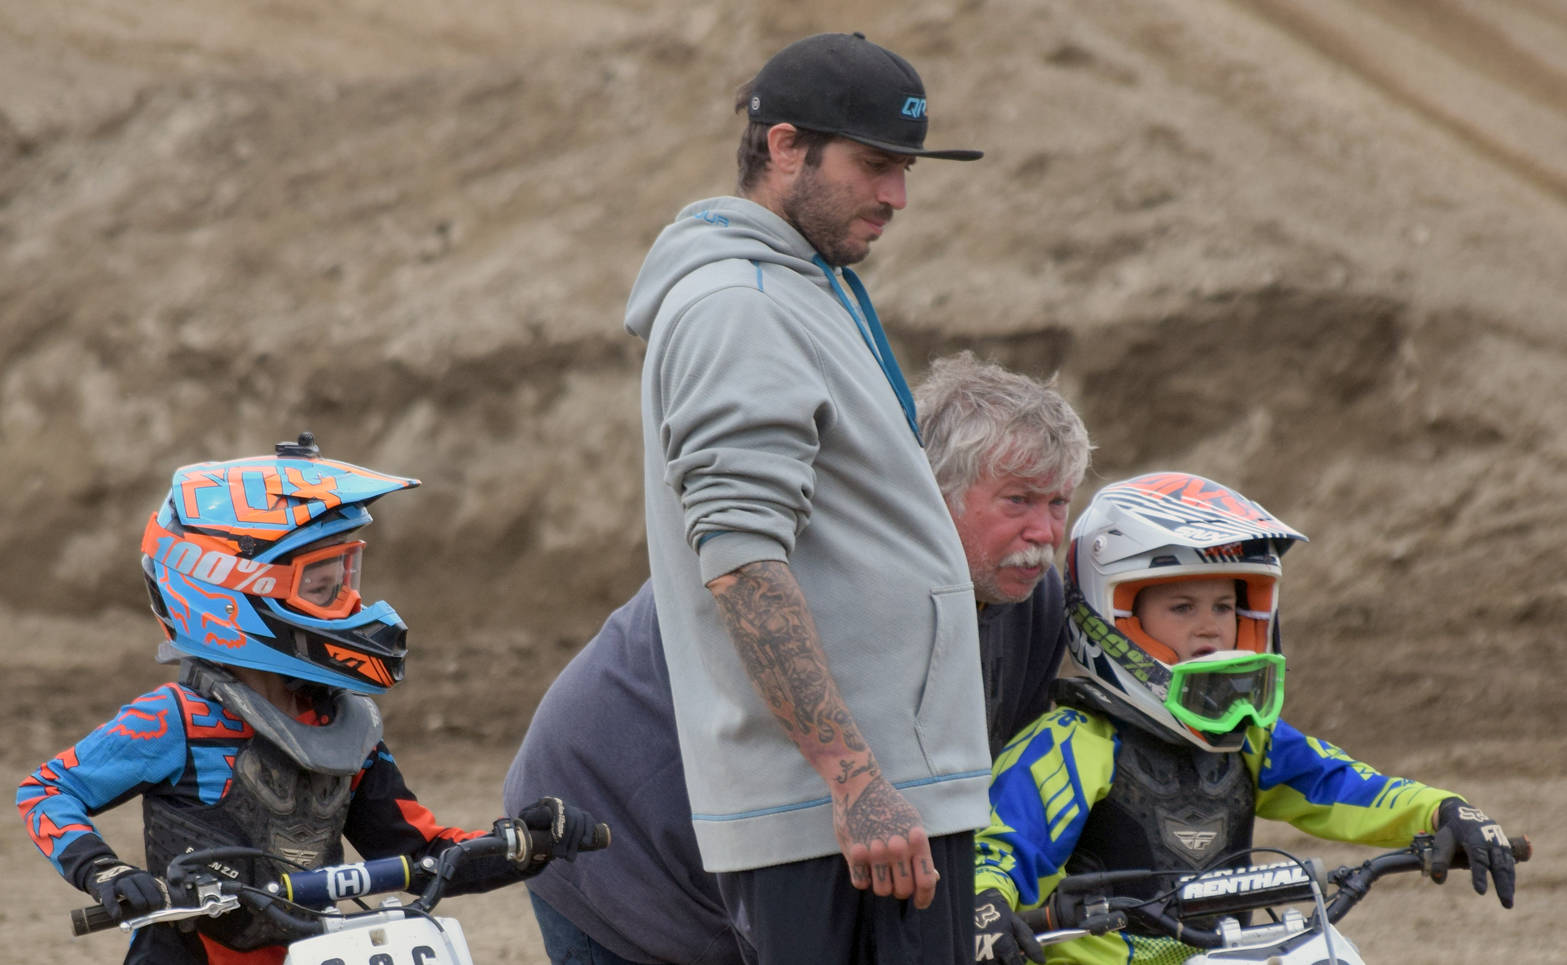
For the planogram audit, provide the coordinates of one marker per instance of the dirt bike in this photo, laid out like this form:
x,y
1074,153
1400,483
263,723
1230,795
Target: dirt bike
x,y
304,903
1085,904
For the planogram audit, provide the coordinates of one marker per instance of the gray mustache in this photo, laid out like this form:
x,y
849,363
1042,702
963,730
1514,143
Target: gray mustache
x,y
1034,556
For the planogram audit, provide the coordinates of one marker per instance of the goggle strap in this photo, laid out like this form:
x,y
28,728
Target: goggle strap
x,y
1114,645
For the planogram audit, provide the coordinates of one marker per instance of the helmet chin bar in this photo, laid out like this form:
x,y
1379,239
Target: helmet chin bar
x,y
364,659
1089,693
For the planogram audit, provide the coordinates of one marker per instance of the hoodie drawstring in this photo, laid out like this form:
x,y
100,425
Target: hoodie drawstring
x,y
875,338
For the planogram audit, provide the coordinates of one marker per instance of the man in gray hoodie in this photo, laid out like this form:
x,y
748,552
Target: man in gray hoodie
x,y
812,591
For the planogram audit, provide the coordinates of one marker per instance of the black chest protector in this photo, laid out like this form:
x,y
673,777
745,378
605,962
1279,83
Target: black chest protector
x,y
286,798
1172,807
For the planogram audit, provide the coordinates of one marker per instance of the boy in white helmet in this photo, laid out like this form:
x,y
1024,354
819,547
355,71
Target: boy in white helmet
x,y
1165,749
268,740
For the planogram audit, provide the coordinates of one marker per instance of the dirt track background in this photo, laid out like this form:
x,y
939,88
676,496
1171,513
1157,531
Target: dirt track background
x,y
1315,249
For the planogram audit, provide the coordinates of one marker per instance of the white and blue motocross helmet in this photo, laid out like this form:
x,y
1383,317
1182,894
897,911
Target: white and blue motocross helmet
x,y
249,564
1165,527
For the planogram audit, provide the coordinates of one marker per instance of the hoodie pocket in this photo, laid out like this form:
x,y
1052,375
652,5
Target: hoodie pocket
x,y
950,723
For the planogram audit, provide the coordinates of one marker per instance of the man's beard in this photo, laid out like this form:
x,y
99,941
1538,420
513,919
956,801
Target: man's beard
x,y
823,213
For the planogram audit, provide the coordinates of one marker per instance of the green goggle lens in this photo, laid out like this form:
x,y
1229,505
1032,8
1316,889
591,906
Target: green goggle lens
x,y
1214,694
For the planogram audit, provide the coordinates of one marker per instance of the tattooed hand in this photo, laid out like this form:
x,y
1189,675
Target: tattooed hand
x,y
883,839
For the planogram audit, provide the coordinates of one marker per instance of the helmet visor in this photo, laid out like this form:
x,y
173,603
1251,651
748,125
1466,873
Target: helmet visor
x,y
1215,693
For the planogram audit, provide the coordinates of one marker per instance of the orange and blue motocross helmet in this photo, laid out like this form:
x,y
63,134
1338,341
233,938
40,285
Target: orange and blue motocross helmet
x,y
1166,527
249,563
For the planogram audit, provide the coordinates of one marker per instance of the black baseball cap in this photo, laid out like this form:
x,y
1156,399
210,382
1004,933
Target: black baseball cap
x,y
845,85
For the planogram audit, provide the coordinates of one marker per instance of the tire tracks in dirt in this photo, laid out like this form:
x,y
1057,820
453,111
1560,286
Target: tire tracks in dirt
x,y
1456,64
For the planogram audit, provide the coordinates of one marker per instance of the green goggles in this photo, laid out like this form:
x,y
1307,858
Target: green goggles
x,y
1214,693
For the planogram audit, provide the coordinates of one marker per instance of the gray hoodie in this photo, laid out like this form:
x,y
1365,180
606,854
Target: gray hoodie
x,y
771,432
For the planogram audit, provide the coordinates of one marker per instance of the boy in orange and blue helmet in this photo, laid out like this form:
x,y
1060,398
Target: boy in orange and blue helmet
x,y
268,740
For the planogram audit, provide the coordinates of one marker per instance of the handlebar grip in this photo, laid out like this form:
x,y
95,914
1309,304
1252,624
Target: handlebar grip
x,y
90,919
1060,911
595,838
1050,917
1523,848
1044,918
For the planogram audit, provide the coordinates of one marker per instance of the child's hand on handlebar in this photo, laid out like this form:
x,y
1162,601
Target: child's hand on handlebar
x,y
1000,935
559,830
123,890
1483,844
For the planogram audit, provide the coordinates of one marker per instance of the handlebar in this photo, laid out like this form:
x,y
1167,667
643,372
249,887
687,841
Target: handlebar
x,y
296,899
97,918
1353,883
1086,903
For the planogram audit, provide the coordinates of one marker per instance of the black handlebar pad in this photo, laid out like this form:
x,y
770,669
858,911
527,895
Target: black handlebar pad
x,y
90,919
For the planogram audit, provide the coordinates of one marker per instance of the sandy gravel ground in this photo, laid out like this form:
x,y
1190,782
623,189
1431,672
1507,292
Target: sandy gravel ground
x,y
1314,249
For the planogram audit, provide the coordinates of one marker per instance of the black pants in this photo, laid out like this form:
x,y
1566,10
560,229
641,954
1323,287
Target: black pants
x,y
808,913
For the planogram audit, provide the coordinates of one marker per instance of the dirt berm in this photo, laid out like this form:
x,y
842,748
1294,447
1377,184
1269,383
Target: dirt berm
x,y
1315,250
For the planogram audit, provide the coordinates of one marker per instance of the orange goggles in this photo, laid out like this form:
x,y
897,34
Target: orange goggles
x,y
323,582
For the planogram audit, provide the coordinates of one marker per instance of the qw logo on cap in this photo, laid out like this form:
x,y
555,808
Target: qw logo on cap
x,y
913,108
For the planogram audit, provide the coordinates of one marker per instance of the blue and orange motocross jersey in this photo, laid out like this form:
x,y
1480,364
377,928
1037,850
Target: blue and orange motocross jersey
x,y
176,743
1049,776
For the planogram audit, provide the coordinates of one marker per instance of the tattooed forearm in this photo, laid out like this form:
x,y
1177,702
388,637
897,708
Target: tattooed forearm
x,y
849,770
771,626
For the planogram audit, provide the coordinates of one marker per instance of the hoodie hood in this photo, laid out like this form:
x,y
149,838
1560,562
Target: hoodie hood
x,y
717,229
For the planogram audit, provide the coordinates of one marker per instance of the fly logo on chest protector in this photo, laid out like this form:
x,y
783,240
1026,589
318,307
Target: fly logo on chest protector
x,y
1196,840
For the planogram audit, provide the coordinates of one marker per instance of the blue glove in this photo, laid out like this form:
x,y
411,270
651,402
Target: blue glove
x,y
125,891
1483,844
999,934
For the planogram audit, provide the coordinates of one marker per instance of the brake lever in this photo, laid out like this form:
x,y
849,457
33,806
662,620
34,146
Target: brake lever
x,y
210,901
1095,924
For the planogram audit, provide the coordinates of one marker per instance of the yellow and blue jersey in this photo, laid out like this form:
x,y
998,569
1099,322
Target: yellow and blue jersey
x,y
1047,780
